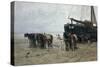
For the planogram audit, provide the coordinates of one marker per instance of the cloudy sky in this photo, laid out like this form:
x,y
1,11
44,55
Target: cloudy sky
x,y
46,17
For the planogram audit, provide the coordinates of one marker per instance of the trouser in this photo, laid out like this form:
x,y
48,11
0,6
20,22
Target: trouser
x,y
66,45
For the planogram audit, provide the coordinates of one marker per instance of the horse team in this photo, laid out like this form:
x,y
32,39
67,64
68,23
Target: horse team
x,y
44,40
39,40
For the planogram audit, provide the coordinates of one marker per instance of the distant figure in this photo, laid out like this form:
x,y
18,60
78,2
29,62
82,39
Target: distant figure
x,y
60,41
58,37
65,36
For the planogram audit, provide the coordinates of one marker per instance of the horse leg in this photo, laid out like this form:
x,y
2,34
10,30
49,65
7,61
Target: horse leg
x,y
71,45
30,43
46,44
50,43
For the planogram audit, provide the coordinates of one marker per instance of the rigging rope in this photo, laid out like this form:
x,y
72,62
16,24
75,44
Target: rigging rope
x,y
70,11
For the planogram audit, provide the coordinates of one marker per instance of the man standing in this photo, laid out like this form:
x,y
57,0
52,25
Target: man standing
x,y
65,36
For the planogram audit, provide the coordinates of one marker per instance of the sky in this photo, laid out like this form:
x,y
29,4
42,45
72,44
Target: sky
x,y
46,17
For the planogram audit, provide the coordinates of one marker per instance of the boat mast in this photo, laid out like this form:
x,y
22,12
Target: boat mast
x,y
93,17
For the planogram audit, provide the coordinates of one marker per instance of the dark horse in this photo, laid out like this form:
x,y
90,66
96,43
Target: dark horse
x,y
70,41
32,39
39,40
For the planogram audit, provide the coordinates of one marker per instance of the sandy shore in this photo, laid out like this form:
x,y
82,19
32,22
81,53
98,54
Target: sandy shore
x,y
57,54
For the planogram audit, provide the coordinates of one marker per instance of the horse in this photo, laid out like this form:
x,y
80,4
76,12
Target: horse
x,y
39,40
48,39
32,39
70,41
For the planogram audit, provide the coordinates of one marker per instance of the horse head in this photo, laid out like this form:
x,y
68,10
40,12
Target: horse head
x,y
26,35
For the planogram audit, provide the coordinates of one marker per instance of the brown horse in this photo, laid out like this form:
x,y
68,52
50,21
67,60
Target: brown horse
x,y
48,39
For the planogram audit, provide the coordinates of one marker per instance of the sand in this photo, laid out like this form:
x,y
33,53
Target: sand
x,y
25,55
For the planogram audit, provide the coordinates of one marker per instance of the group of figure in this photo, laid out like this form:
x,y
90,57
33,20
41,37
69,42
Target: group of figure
x,y
41,40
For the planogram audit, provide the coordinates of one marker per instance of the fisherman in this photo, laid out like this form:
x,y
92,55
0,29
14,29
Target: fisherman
x,y
66,41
